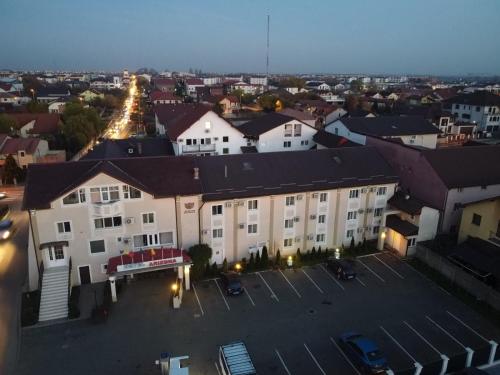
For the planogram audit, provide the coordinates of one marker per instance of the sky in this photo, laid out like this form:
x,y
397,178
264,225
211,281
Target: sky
x,y
437,37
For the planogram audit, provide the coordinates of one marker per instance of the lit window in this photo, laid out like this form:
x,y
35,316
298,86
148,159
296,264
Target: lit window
x,y
208,125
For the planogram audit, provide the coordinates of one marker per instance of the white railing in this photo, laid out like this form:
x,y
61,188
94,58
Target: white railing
x,y
198,148
107,208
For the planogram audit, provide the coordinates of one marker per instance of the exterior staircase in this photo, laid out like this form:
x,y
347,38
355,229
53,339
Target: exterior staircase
x,y
54,296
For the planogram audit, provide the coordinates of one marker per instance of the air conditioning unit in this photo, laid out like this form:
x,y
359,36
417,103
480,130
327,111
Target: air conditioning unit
x,y
372,190
228,205
363,191
296,219
299,197
204,231
241,203
216,138
368,210
207,130
129,220
315,195
312,217
310,237
180,140
241,226
361,211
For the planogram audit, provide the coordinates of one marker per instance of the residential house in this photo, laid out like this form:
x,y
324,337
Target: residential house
x,y
58,106
36,124
246,88
90,95
407,222
318,86
444,178
480,107
8,99
230,104
481,219
29,150
129,148
164,84
212,81
262,81
47,94
411,130
324,139
192,84
164,97
194,129
277,132
332,98
106,83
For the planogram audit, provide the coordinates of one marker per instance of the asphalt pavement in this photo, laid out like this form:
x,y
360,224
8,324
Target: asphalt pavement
x,y
13,273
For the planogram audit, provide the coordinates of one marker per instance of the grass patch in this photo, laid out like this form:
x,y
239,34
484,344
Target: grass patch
x,y
479,306
30,306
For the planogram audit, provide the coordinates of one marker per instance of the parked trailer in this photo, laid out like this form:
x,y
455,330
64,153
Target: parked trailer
x,y
235,360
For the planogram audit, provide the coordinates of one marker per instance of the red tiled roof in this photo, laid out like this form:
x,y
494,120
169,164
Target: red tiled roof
x,y
194,81
164,82
44,122
5,86
158,255
13,145
161,95
231,98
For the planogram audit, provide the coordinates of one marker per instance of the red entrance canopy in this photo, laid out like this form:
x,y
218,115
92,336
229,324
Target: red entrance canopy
x,y
148,259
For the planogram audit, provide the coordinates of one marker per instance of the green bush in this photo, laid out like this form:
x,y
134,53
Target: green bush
x,y
277,259
313,253
30,306
352,245
251,263
258,260
224,266
244,265
298,259
265,258
200,255
215,270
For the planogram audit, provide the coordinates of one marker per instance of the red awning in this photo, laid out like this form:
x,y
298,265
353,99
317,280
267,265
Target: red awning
x,y
150,258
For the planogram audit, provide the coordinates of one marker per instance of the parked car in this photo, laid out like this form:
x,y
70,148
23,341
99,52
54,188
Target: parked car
x,y
5,229
364,353
232,283
342,268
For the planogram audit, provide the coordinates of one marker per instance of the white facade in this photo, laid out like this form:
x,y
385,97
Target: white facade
x,y
258,81
329,97
486,117
210,81
291,136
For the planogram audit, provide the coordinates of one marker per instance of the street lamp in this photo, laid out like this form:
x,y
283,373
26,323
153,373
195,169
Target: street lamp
x,y
237,266
174,287
289,261
32,93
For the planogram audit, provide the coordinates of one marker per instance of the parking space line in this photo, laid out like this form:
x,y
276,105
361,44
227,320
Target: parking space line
x,y
316,285
372,271
331,277
422,337
467,326
249,297
222,295
217,368
289,283
315,360
273,295
359,281
344,355
398,344
282,361
198,299
390,268
445,332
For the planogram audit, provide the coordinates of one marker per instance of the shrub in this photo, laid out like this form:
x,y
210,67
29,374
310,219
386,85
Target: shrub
x,y
215,270
307,255
74,303
29,308
251,263
319,255
277,259
313,253
258,260
298,258
200,255
224,265
265,258
208,270
244,264
353,244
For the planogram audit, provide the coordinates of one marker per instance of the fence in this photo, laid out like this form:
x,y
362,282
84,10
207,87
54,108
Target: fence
x,y
459,277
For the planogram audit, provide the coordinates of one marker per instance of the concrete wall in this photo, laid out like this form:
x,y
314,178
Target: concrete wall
x,y
459,277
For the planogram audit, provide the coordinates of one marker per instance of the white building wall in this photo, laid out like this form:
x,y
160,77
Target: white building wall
x,y
274,139
338,128
484,116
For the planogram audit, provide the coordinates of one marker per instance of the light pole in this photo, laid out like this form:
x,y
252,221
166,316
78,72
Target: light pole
x,y
33,94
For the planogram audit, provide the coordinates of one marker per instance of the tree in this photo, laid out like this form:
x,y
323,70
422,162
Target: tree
x,y
180,89
224,265
30,83
267,102
277,259
80,126
356,85
298,258
313,253
258,260
36,107
265,258
251,263
351,102
7,124
200,255
217,108
293,82
352,245
11,171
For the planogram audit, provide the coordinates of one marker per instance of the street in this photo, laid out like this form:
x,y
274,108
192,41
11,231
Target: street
x,y
119,128
13,272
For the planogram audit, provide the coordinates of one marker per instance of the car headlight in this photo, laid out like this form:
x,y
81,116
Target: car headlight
x,y
6,234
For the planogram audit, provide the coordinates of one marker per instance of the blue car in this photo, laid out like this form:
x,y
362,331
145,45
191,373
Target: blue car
x,y
364,353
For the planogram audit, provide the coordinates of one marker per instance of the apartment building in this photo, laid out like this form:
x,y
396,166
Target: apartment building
x,y
95,211
480,107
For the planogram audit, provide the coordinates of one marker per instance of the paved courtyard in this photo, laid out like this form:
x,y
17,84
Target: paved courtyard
x,y
289,320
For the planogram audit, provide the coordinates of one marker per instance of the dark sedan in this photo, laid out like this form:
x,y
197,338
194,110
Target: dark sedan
x,y
342,268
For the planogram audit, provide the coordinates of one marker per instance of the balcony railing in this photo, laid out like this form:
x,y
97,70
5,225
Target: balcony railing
x,y
111,208
198,148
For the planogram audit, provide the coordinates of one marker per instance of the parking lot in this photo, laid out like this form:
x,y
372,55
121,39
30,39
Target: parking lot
x,y
289,319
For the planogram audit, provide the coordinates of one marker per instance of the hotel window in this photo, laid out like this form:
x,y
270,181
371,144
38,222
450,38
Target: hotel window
x,y
108,222
476,219
381,190
130,192
252,205
64,227
217,210
104,194
97,247
288,223
320,237
75,197
166,238
350,233
288,130
217,233
252,228
376,229
323,197
148,218
297,130
321,219
378,212
354,193
287,242
290,201
225,151
225,139
352,215
287,144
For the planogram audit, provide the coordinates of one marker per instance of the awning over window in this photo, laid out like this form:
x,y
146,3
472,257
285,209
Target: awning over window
x,y
52,244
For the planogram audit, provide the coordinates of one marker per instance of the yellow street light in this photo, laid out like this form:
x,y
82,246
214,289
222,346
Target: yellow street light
x,y
237,266
383,235
175,287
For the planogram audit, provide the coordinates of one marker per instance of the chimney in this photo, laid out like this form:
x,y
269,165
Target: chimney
x,y
196,171
139,148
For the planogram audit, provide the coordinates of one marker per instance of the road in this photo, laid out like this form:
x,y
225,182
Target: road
x,y
119,128
13,273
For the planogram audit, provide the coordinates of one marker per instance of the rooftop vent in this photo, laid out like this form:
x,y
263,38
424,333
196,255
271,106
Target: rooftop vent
x,y
196,173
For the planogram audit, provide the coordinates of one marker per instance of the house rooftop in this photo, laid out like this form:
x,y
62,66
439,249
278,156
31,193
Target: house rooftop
x,y
401,226
45,123
330,140
406,203
390,126
130,147
478,98
13,145
263,124
177,118
296,114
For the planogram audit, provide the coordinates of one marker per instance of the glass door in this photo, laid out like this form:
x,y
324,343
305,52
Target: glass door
x,y
56,256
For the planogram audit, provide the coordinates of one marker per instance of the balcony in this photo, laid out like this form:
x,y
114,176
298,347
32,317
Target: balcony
x,y
198,148
102,209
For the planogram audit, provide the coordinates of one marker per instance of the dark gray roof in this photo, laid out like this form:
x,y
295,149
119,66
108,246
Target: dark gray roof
x,y
406,203
263,124
390,126
330,140
179,117
131,147
52,91
466,166
401,226
480,98
480,255
246,175
221,177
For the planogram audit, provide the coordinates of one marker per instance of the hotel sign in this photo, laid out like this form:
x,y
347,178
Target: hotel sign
x,y
149,264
